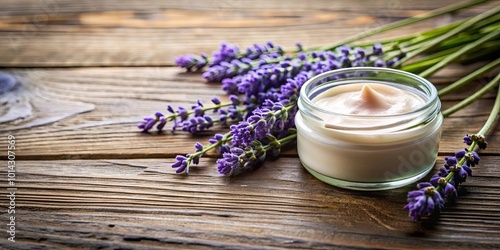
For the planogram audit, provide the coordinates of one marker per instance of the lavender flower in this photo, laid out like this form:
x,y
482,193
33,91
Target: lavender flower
x,y
444,184
181,164
190,61
471,158
467,140
195,119
238,159
226,53
450,161
424,201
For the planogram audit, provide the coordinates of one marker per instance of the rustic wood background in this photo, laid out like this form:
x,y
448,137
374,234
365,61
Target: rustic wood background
x,y
87,178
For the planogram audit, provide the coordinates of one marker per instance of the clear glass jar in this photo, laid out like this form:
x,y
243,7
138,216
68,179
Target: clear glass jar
x,y
377,152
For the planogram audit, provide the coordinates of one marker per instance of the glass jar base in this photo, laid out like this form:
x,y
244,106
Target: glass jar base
x,y
367,186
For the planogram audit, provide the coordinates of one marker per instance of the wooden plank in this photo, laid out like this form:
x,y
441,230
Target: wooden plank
x,y
63,33
139,203
91,113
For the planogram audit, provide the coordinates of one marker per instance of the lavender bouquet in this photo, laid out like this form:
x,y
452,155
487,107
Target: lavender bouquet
x,y
264,81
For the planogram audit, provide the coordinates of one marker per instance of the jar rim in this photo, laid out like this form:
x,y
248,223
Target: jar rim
x,y
432,95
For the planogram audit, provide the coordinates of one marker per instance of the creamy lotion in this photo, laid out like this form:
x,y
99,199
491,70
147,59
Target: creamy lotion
x,y
368,128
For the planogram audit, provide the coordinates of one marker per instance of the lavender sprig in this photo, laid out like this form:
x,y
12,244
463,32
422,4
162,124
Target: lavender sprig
x,y
250,135
195,119
241,159
444,185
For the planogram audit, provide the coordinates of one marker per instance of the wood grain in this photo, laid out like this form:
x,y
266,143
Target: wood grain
x,y
140,203
88,179
119,97
64,33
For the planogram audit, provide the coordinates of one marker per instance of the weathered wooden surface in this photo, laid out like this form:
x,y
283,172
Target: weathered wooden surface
x,y
88,179
139,203
56,33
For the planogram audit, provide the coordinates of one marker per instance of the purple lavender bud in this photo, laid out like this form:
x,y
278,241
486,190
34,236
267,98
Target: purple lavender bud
x,y
218,137
149,125
449,189
158,114
471,158
344,50
377,49
299,47
422,185
443,172
237,151
379,63
215,100
170,109
467,140
140,125
233,113
424,201
161,125
460,175
450,161
435,179
360,53
467,169
391,62
261,129
203,62
302,56
198,111
234,99
186,61
460,154
230,85
181,164
346,62
196,160
193,121
228,163
183,113
199,103
198,146
253,118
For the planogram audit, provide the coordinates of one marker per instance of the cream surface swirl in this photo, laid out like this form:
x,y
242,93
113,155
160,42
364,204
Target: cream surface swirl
x,y
368,99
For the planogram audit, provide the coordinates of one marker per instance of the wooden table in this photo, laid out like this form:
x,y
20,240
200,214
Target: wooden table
x,y
87,178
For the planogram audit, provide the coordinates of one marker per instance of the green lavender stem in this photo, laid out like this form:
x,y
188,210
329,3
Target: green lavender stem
x,y
494,113
460,163
404,22
227,137
473,97
464,26
460,52
283,141
483,131
466,79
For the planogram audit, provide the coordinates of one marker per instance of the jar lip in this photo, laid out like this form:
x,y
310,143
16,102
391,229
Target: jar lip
x,y
433,94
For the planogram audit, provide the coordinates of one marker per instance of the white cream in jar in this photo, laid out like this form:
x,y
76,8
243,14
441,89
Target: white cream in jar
x,y
368,128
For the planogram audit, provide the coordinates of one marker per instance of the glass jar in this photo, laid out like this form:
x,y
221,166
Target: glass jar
x,y
375,152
